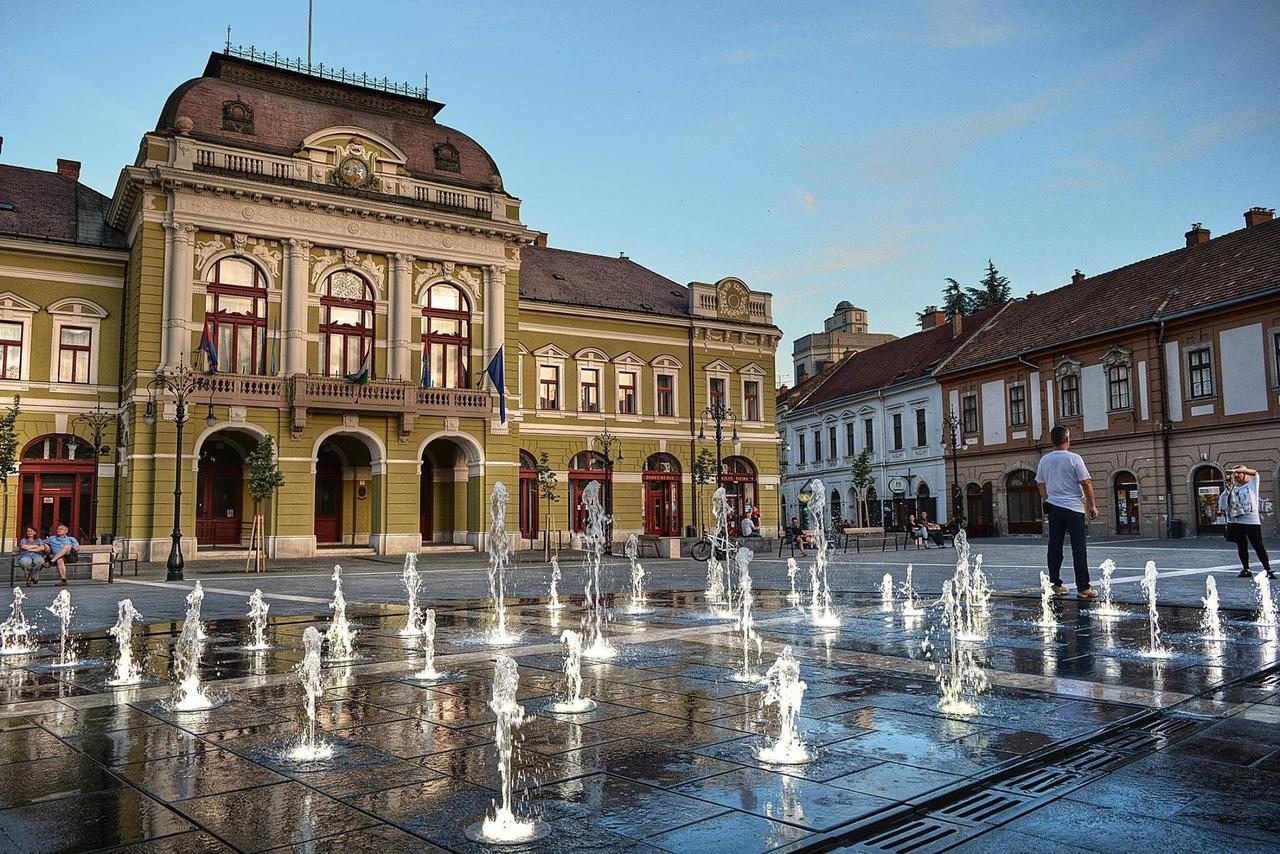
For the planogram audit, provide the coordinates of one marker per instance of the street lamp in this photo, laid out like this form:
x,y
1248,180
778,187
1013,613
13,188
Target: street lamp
x,y
718,414
95,421
180,381
784,450
607,441
951,424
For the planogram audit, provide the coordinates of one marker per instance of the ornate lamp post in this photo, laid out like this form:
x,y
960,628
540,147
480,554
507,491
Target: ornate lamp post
x,y
95,421
951,426
784,450
180,382
607,442
719,415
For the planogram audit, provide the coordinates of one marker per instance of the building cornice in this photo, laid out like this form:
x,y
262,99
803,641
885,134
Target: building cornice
x,y
63,250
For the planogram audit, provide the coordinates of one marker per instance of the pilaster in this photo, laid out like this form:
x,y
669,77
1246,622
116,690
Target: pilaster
x,y
295,306
400,345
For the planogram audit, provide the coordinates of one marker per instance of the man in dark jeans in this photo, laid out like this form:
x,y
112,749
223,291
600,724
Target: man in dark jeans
x,y
1067,492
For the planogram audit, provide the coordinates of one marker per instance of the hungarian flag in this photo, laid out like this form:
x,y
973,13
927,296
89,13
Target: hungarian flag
x,y
361,376
208,347
426,370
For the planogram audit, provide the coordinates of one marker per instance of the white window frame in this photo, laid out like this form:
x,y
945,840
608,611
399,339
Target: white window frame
x,y
671,367
598,370
750,373
15,309
84,314
718,370
635,389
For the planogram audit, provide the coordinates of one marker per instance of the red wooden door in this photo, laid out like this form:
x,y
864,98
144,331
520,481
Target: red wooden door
x,y
328,514
219,490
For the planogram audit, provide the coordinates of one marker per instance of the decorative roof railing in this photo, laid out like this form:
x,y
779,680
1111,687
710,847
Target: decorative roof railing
x,y
339,75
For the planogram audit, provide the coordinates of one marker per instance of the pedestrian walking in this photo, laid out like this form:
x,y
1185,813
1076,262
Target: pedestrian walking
x,y
1067,492
1240,504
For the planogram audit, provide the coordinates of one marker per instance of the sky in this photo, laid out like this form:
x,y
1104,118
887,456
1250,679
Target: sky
x,y
819,151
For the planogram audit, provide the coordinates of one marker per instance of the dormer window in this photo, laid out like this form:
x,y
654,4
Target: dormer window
x,y
237,116
447,157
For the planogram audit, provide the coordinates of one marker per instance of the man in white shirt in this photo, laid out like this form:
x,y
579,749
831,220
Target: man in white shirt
x,y
1067,492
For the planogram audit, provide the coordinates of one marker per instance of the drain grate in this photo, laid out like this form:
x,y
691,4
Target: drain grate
x,y
1132,741
1093,759
1039,782
982,807
918,836
1170,728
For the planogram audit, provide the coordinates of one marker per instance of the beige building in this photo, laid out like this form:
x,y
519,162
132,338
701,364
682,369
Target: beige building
x,y
846,331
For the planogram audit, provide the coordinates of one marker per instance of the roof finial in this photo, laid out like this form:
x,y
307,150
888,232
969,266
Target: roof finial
x,y
228,47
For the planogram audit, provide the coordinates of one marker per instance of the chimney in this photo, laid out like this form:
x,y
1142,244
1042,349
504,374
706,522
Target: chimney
x,y
69,169
957,324
932,317
1077,277
1197,235
1257,216
1,143
540,240
800,375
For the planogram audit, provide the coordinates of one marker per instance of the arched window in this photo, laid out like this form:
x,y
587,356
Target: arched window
x,y
874,511
446,337
346,325
1207,485
235,307
925,502
1023,498
584,468
835,507
1125,488
528,495
738,477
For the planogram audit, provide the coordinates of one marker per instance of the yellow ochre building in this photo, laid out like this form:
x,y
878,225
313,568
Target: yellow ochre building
x,y
355,265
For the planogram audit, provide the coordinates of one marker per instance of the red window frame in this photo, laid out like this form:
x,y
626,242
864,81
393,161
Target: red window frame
x,y
76,350
751,401
225,324
666,396
626,392
716,392
589,392
342,334
549,389
11,353
437,347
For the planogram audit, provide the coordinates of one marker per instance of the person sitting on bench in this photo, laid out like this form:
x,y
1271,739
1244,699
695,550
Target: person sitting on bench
x,y
932,529
796,535
62,551
31,554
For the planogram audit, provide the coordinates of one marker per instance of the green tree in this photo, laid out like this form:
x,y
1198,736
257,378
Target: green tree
x,y
954,300
8,458
547,486
860,472
991,292
704,471
265,476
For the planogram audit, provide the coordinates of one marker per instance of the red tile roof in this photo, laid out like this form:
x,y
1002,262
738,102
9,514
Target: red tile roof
x,y
577,278
901,360
1236,265
47,206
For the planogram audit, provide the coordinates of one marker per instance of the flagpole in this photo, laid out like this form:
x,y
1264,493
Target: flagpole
x,y
309,11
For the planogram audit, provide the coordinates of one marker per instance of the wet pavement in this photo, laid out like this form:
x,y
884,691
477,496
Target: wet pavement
x,y
1081,743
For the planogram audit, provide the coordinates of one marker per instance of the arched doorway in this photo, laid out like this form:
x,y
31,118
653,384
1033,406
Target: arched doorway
x,y
837,511
926,502
1206,486
58,474
445,510
528,495
220,492
584,468
738,477
1022,498
977,508
344,498
1126,494
875,513
662,496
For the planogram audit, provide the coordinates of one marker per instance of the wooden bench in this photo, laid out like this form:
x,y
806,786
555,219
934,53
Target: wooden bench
x,y
869,535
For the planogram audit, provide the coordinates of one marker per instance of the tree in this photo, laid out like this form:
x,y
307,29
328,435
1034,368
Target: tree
x,y
265,478
8,458
991,292
863,478
704,471
954,301
547,485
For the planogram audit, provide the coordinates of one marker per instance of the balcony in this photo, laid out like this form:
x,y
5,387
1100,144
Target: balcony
x,y
328,394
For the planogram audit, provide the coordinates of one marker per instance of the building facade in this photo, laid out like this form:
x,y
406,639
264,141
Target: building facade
x,y
887,401
1167,372
846,331
355,266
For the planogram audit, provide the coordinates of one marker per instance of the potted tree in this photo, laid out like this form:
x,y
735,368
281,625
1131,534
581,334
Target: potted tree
x,y
547,486
704,471
8,458
265,478
860,473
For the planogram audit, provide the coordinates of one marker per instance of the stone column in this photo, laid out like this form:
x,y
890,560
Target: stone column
x,y
495,309
297,265
400,345
177,302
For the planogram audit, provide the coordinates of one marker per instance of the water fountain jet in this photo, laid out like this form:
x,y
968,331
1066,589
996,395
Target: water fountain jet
x,y
824,616
499,560
910,599
719,585
793,597
127,670
1211,621
1048,619
258,608
1106,608
1266,617
555,604
960,680
751,643
428,673
16,630
638,599
61,608
189,695
310,747
886,593
573,703
1155,648
593,622
340,637
785,690
411,580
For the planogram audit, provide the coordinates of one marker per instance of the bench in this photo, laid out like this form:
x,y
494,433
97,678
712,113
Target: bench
x,y
102,562
648,542
869,535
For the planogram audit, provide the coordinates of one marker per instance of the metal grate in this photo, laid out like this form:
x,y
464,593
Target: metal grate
x,y
1093,759
1129,740
1040,782
915,837
982,807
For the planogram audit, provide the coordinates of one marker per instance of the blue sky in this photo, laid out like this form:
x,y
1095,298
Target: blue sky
x,y
821,151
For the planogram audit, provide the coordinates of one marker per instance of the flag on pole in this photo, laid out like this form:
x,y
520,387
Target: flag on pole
x,y
497,375
208,347
361,376
426,369
275,350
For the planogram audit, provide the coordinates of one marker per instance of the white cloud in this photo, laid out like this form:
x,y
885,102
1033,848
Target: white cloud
x,y
808,201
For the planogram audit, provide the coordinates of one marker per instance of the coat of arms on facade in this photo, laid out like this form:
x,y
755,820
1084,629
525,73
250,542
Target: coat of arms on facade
x,y
355,167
